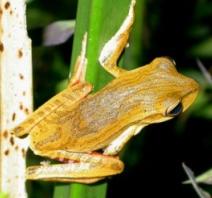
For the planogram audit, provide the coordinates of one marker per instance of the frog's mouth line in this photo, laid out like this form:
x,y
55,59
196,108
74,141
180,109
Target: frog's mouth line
x,y
189,98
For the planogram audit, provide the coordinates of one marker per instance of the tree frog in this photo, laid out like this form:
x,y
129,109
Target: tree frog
x,y
86,131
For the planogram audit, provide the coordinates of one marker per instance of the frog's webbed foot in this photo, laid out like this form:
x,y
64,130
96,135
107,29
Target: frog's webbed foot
x,y
81,167
113,48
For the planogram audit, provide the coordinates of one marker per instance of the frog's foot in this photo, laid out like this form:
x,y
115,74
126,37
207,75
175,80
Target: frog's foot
x,y
79,70
113,48
82,167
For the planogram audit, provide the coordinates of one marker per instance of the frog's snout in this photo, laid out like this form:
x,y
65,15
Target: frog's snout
x,y
192,93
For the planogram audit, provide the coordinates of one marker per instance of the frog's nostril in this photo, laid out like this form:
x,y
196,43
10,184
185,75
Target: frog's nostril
x,y
171,60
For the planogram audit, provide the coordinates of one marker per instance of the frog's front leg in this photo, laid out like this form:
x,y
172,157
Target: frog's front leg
x,y
81,167
113,48
116,146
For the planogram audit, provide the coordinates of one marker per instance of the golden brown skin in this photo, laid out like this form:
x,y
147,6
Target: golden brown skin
x,y
142,96
73,124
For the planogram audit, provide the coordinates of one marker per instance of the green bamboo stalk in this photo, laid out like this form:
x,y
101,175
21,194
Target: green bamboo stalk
x,y
134,55
101,19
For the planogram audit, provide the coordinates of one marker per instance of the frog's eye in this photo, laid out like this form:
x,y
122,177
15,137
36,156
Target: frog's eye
x,y
173,112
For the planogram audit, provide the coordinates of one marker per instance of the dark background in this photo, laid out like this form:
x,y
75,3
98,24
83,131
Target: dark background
x,y
153,159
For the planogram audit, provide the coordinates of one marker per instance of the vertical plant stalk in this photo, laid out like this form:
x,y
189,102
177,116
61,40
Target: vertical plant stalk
x,y
15,94
101,19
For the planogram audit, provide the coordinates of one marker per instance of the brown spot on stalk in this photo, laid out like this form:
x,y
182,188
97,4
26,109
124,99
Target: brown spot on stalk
x,y
7,5
21,106
23,152
11,12
20,53
24,93
1,47
13,116
5,134
6,152
21,76
12,142
16,148
26,110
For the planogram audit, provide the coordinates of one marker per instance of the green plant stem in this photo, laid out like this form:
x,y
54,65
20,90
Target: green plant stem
x,y
101,19
88,191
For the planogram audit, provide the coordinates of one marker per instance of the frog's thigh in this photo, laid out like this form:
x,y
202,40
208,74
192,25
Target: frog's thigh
x,y
113,48
62,101
79,70
87,168
61,173
116,146
76,90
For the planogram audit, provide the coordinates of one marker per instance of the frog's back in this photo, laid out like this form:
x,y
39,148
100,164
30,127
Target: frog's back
x,y
137,95
91,123
101,117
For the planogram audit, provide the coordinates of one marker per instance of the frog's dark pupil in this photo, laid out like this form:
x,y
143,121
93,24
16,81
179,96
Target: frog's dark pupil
x,y
176,111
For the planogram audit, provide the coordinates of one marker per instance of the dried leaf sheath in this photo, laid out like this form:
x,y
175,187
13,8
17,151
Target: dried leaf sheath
x,y
15,94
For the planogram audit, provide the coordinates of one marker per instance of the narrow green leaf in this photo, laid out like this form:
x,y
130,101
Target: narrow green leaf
x,y
203,49
200,192
88,191
61,191
206,177
101,19
134,54
105,17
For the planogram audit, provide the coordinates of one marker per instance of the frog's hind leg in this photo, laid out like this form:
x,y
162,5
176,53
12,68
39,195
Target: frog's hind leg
x,y
82,167
76,90
83,180
113,48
